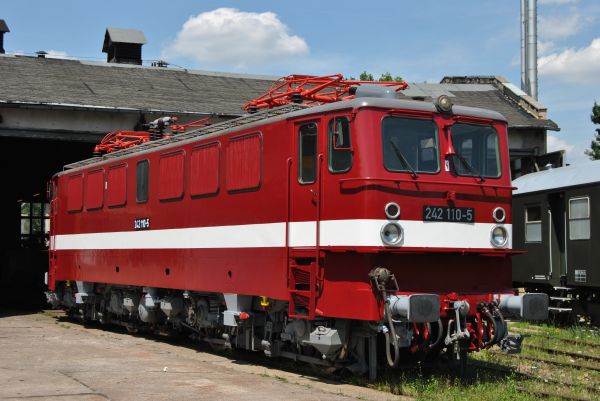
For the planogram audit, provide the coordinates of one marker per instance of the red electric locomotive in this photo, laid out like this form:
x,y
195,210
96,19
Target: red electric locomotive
x,y
304,232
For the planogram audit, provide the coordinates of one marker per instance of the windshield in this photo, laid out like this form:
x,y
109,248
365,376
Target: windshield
x,y
410,145
478,146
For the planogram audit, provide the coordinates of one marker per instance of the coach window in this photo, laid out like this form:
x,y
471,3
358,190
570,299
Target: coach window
x,y
307,163
533,224
141,181
579,218
340,150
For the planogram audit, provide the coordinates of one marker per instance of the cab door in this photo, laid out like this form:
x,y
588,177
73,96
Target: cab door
x,y
305,181
305,177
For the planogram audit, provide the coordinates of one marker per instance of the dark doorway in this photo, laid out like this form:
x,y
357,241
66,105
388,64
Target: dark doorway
x,y
27,165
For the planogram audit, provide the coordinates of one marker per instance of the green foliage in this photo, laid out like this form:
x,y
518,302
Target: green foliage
x,y
385,77
595,113
365,76
594,152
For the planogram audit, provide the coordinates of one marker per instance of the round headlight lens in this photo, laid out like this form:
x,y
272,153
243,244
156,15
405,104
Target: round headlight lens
x,y
391,233
392,210
499,237
499,215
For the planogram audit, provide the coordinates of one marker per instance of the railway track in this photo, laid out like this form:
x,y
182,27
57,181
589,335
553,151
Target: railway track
x,y
564,353
550,394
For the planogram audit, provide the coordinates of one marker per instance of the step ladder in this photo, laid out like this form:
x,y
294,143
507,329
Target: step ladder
x,y
560,301
303,290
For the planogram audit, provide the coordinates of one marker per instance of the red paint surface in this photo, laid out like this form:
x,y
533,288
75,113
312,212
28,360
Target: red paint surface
x,y
361,193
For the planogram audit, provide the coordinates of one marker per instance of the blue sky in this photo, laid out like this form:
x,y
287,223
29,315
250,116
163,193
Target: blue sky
x,y
421,40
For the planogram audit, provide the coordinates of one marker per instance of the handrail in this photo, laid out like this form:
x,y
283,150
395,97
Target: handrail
x,y
422,181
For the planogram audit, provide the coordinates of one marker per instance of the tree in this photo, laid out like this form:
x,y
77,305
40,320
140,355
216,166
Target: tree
x,y
594,152
365,76
385,77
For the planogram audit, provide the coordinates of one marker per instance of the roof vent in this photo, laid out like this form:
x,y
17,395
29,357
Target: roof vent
x,y
123,45
41,54
3,30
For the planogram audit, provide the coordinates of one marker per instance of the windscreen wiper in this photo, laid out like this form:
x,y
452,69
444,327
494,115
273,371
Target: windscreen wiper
x,y
401,157
468,166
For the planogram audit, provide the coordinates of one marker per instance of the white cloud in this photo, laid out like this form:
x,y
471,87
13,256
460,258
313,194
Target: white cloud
x,y
579,66
555,144
545,47
57,54
562,26
234,38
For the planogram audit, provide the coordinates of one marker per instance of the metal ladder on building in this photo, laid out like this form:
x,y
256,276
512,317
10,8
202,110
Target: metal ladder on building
x,y
211,129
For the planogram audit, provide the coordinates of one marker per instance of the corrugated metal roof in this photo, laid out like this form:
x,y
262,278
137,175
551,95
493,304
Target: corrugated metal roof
x,y
122,35
563,177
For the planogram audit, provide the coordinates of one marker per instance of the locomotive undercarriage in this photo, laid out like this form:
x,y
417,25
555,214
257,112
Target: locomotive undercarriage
x,y
260,324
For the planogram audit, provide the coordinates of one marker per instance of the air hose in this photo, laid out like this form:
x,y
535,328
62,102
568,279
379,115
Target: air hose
x,y
395,361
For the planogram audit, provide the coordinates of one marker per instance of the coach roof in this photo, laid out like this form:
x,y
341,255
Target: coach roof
x,y
563,177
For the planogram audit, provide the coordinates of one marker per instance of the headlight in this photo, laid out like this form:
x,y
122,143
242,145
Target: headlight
x,y
499,237
391,233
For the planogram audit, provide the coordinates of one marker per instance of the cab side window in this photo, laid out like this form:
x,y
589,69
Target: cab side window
x,y
340,149
307,159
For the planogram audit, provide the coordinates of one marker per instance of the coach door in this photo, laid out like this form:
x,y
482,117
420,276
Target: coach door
x,y
305,200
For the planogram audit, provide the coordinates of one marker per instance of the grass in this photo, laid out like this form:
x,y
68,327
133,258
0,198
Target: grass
x,y
489,376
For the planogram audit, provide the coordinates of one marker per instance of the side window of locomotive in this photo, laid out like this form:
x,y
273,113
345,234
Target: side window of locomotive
x,y
204,170
142,175
94,190
75,193
243,167
533,224
307,158
170,176
479,149
340,149
579,218
410,144
116,186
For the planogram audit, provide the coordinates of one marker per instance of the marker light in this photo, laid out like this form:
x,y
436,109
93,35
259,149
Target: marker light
x,y
392,210
499,215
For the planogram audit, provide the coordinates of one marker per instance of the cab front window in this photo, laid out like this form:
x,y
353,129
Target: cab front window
x,y
477,150
410,145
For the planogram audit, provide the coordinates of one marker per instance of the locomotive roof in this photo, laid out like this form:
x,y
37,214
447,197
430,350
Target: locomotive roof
x,y
286,112
558,178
